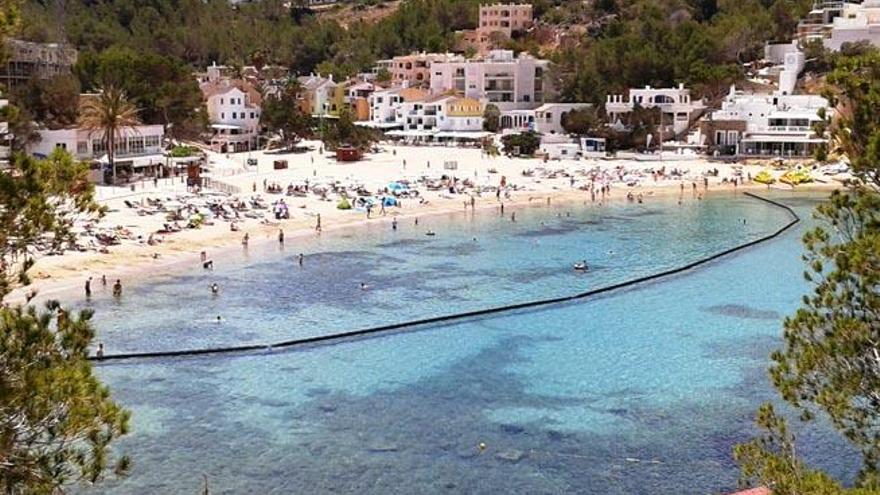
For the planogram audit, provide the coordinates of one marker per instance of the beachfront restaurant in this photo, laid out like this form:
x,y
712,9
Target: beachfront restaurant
x,y
779,146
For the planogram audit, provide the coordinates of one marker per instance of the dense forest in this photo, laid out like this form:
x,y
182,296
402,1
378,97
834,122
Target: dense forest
x,y
153,45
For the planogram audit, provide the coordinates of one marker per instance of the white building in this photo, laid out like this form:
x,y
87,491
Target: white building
x,y
788,60
139,150
835,23
549,116
510,83
385,105
765,124
859,22
234,114
442,113
677,107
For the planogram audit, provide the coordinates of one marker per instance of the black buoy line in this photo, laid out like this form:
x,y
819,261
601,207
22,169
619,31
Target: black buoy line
x,y
336,337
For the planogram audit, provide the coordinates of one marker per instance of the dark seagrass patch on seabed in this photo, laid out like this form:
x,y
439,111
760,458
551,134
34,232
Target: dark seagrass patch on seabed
x,y
742,311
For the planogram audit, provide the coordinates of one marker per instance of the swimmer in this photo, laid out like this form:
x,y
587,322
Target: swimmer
x,y
364,286
430,233
215,288
117,288
482,447
100,352
218,320
300,259
208,265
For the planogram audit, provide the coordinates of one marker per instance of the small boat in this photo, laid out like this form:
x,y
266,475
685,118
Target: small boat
x,y
430,233
581,267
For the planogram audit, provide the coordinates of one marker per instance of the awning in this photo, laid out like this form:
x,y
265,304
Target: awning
x,y
139,161
463,134
782,139
378,125
410,133
226,126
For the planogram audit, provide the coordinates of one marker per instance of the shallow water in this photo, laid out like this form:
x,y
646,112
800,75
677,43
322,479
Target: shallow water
x,y
265,297
641,391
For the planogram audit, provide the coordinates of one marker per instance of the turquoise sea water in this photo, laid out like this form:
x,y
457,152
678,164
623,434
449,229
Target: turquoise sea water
x,y
641,391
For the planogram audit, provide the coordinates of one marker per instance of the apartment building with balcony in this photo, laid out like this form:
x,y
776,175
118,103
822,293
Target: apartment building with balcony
x,y
510,83
413,70
497,22
765,124
28,59
836,23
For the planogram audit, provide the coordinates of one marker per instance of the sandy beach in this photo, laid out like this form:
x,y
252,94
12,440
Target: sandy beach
x,y
528,180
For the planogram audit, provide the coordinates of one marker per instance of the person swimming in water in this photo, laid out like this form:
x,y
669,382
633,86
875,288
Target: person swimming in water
x,y
215,289
117,288
364,286
300,259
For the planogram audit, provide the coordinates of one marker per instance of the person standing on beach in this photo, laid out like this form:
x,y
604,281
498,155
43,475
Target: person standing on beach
x,y
513,217
502,209
117,288
281,236
104,280
473,203
88,287
245,239
394,223
318,223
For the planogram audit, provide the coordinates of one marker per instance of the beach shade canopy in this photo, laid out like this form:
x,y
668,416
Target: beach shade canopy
x,y
389,201
397,186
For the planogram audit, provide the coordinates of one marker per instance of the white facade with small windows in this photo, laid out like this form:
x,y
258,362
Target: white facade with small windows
x,y
677,107
234,116
766,124
141,147
142,140
442,113
510,83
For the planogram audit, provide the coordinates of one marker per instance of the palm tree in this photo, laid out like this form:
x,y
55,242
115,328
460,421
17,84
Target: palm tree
x,y
108,114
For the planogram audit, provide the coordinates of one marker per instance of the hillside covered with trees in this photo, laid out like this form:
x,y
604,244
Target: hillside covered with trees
x,y
699,42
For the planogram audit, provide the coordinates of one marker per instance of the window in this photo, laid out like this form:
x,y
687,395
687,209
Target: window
x,y
222,115
152,141
82,147
221,101
62,146
252,114
98,147
136,144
